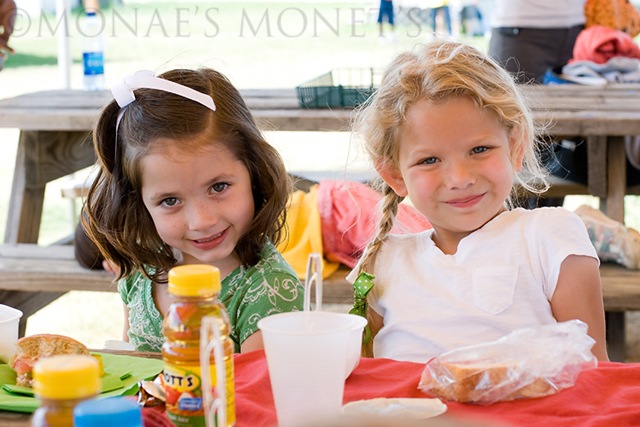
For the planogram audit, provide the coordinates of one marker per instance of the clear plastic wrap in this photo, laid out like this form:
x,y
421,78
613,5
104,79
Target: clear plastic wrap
x,y
527,363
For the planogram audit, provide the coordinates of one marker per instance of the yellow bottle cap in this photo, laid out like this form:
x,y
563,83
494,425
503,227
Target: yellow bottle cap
x,y
195,280
66,377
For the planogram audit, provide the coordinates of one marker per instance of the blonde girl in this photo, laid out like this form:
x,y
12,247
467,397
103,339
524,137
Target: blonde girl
x,y
185,176
449,129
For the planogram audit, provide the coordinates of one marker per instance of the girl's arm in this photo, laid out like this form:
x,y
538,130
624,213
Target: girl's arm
x,y
253,342
125,333
578,295
375,323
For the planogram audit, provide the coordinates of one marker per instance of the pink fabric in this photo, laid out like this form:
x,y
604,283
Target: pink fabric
x,y
603,397
599,44
349,217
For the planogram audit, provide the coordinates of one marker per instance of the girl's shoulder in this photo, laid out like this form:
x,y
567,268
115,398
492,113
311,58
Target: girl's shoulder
x,y
407,239
270,264
271,260
548,214
133,283
545,223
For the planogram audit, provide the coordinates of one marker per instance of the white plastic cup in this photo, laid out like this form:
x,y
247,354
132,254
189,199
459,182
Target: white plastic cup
x,y
9,321
308,359
355,343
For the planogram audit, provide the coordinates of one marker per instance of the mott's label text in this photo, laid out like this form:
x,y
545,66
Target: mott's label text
x,y
183,389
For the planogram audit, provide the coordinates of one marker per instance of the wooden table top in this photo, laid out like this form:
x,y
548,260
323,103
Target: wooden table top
x,y
569,109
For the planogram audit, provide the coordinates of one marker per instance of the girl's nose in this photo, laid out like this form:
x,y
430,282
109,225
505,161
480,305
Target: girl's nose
x,y
201,216
459,175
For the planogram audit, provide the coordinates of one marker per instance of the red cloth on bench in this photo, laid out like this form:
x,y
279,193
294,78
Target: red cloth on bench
x,y
349,217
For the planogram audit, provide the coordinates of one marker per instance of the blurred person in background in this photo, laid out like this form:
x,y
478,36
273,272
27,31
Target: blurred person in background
x,y
7,21
530,36
386,13
440,7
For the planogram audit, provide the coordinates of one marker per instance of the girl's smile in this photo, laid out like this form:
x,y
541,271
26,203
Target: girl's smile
x,y
466,201
200,201
455,165
209,243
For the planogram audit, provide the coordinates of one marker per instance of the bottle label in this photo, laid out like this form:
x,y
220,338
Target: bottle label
x,y
93,63
183,389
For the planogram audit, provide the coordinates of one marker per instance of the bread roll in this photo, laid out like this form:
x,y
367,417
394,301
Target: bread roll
x,y
35,347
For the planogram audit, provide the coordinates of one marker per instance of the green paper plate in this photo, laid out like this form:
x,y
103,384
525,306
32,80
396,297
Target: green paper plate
x,y
123,374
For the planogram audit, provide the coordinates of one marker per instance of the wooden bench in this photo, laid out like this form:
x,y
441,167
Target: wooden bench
x,y
33,268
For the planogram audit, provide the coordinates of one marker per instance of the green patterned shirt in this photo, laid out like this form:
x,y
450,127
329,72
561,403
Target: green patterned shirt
x,y
249,294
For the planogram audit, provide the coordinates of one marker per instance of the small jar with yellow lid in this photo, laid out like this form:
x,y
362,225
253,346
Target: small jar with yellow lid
x,y
194,290
61,382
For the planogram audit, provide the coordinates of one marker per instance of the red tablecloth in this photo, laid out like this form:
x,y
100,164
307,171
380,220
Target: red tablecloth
x,y
608,396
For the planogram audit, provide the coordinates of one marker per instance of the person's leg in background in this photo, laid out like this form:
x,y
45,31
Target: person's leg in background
x,y
446,16
433,14
386,14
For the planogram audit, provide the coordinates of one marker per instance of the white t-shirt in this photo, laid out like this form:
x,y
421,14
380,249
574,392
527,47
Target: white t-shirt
x,y
501,279
538,13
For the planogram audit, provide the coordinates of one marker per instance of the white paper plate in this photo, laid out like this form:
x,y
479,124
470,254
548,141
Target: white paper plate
x,y
407,407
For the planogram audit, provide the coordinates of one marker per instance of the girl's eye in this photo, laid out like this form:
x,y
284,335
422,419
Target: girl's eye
x,y
169,201
219,187
478,150
429,161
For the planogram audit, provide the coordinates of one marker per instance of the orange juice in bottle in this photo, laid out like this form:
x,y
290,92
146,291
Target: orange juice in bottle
x,y
194,290
61,382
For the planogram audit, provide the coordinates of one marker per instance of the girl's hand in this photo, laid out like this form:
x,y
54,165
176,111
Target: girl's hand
x,y
110,267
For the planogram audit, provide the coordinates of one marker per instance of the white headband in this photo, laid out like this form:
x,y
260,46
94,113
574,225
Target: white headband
x,y
123,91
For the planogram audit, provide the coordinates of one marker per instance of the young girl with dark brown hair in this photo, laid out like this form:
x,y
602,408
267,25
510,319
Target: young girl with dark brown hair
x,y
186,177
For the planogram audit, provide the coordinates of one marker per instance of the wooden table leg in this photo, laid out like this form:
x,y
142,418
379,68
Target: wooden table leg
x,y
616,178
597,165
616,335
608,181
27,197
41,158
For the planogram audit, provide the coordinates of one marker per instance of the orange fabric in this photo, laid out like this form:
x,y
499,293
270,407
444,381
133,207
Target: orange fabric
x,y
599,44
617,14
603,397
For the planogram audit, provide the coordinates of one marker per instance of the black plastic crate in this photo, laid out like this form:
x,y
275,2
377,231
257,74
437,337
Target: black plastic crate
x,y
343,87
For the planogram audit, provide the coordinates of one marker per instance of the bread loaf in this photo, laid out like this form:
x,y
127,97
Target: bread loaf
x,y
473,382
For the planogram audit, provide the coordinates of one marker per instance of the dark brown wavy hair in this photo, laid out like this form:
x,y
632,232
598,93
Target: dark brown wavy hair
x,y
117,220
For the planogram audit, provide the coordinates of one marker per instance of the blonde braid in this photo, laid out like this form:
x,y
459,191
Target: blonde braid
x,y
388,211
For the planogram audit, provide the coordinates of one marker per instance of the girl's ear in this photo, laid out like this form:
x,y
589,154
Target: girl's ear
x,y
518,155
392,176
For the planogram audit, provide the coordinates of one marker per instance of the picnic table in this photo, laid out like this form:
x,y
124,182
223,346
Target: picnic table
x,y
604,396
55,141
